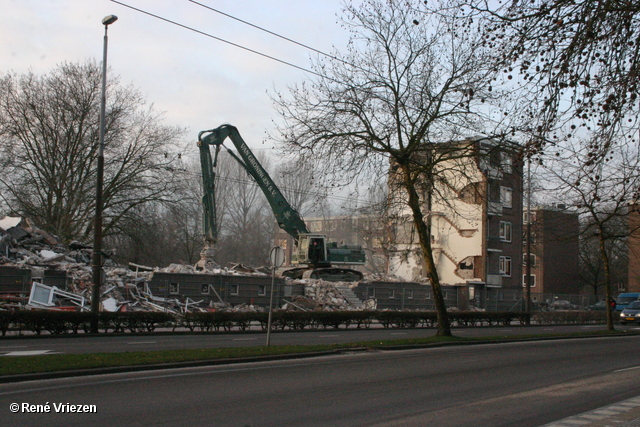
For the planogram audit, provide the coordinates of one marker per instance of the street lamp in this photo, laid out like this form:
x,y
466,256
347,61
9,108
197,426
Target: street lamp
x,y
276,256
97,237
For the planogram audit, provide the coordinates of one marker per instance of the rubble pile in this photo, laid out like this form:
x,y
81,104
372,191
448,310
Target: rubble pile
x,y
327,296
24,246
236,269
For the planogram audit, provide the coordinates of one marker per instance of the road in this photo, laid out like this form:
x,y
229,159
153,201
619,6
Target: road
x,y
510,384
70,344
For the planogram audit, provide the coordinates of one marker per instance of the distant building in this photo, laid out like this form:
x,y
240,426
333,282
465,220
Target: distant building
x,y
554,250
476,230
633,220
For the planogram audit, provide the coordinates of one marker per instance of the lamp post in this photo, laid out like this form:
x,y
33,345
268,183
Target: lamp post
x,y
97,237
276,256
528,256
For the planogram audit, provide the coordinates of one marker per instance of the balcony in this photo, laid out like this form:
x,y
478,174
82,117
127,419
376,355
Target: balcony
x,y
494,208
494,279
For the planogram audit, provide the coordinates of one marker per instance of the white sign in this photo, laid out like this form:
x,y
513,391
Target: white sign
x,y
276,256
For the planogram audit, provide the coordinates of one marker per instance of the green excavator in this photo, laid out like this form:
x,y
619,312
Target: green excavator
x,y
313,257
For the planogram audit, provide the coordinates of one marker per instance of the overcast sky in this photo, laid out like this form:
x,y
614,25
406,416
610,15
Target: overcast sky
x,y
200,83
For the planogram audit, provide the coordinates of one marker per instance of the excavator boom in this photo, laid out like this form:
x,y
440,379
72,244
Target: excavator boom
x,y
286,215
312,249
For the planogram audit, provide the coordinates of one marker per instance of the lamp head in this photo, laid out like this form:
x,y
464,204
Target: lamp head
x,y
108,20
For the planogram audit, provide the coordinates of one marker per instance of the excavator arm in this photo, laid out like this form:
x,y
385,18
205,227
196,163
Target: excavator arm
x,y
312,249
286,215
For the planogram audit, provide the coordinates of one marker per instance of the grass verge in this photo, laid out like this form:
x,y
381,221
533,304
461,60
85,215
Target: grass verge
x,y
65,362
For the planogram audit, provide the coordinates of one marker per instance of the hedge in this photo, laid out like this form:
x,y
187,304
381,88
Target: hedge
x,y
60,322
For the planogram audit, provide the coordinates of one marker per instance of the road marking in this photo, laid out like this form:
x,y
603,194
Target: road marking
x,y
398,333
244,339
142,342
327,336
27,353
600,414
628,369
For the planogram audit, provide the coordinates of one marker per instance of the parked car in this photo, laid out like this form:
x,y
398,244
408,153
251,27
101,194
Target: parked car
x,y
625,298
561,304
599,306
631,313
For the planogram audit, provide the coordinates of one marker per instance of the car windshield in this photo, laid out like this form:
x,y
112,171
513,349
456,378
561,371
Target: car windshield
x,y
625,300
634,305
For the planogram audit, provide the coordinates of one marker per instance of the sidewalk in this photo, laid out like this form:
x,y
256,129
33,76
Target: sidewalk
x,y
621,414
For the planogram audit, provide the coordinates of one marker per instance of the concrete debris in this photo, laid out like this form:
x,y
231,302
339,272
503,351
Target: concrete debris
x,y
50,297
25,247
233,270
327,296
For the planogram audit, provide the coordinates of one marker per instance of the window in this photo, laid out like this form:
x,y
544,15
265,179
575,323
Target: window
x,y
466,264
315,226
262,290
527,215
533,238
204,289
506,231
506,162
505,266
371,292
409,293
234,289
532,257
392,293
427,294
524,280
506,197
174,288
288,290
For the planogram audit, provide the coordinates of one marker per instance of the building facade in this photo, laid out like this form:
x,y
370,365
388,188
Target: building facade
x,y
554,253
476,225
633,221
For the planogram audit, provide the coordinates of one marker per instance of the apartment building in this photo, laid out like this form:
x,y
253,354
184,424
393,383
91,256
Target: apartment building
x,y
554,250
476,224
633,219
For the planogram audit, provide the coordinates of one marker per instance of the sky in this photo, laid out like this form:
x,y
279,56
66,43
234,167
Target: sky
x,y
198,82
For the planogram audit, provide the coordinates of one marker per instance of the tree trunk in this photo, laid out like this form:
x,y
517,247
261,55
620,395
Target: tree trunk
x,y
423,228
607,279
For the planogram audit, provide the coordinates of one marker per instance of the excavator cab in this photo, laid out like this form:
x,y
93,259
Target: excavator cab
x,y
314,251
311,250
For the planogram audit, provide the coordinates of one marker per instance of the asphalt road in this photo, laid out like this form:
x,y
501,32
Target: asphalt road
x,y
510,384
70,344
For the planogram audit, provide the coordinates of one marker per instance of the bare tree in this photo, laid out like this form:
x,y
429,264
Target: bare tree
x,y
579,59
299,184
165,232
591,262
602,191
373,228
246,222
409,81
49,129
